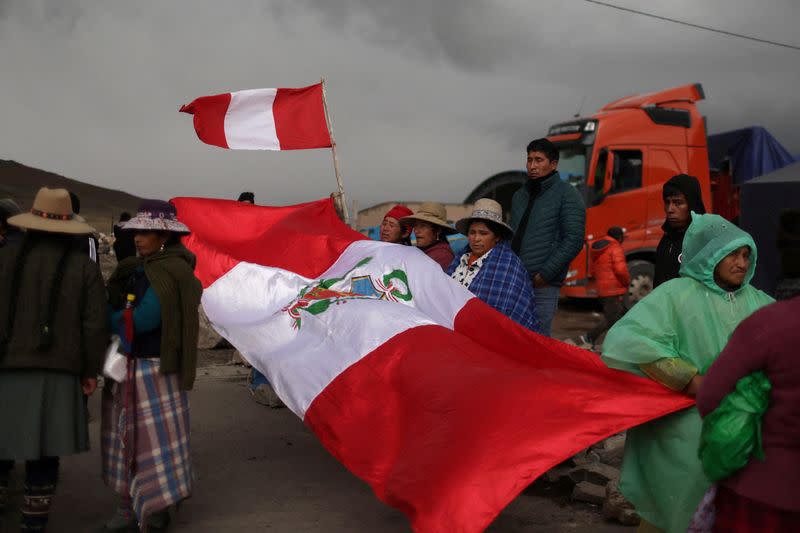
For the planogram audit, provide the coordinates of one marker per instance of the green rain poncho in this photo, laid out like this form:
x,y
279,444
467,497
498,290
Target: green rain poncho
x,y
691,319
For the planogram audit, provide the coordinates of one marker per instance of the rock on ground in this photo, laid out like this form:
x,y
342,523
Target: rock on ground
x,y
616,507
586,491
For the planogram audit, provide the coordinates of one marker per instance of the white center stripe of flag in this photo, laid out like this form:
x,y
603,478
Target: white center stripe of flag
x,y
249,121
249,306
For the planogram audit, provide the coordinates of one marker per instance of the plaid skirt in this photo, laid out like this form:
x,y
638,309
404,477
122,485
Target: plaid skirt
x,y
737,514
158,472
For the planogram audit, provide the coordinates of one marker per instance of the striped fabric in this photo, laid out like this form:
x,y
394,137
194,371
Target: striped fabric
x,y
161,470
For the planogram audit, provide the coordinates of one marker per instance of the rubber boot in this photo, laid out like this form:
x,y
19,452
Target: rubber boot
x,y
36,507
158,521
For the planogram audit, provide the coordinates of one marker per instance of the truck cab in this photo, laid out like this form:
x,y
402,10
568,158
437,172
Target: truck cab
x,y
618,159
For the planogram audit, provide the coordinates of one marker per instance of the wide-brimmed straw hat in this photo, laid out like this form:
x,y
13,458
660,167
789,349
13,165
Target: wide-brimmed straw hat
x,y
52,213
156,215
485,209
432,213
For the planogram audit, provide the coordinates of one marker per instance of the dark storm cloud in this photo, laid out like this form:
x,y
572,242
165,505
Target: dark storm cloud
x,y
473,34
427,98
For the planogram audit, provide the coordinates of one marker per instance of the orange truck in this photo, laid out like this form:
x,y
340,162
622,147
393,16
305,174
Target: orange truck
x,y
619,158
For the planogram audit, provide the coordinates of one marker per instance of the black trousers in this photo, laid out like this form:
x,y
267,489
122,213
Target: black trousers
x,y
43,471
613,310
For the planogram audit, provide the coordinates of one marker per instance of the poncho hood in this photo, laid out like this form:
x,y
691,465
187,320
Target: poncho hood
x,y
708,240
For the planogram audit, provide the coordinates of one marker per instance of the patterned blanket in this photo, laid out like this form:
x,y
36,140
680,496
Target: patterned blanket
x,y
159,472
503,283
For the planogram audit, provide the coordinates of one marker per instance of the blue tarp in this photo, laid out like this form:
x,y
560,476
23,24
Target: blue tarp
x,y
752,152
457,241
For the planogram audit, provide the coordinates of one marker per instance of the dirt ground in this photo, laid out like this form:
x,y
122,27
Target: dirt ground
x,y
261,469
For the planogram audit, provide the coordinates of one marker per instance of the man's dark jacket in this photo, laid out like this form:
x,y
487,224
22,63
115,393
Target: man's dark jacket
x,y
555,230
668,253
79,333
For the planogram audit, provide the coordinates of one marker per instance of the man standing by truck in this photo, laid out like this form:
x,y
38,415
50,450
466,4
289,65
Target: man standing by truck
x,y
549,221
681,196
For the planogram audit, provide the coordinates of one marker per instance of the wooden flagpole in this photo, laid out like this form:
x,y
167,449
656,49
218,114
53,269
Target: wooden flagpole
x,y
335,158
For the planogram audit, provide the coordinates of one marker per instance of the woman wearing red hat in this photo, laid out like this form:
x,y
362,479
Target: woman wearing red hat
x,y
394,231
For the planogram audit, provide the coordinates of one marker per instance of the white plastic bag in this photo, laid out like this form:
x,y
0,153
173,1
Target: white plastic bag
x,y
116,364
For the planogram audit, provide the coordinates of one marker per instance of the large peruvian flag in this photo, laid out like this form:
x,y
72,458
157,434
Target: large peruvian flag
x,y
447,408
262,119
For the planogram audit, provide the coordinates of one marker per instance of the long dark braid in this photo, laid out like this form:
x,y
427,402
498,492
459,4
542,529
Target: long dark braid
x,y
16,275
46,329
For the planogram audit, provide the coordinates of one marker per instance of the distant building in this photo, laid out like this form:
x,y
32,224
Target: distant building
x,y
369,220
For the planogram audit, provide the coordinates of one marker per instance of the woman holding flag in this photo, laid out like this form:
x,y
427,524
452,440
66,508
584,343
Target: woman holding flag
x,y
672,337
490,269
153,300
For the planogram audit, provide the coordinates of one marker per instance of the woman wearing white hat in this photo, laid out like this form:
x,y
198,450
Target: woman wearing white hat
x,y
431,230
490,269
52,340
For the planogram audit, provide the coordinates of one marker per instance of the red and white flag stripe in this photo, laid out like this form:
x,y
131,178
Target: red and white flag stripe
x,y
262,119
445,407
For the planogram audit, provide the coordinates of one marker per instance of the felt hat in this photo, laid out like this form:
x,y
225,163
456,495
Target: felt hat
x,y
156,215
52,213
432,213
485,209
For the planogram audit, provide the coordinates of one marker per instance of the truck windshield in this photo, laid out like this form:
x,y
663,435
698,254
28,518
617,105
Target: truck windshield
x,y
572,165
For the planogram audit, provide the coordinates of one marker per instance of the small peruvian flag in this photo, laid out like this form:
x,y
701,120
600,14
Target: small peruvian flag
x,y
262,119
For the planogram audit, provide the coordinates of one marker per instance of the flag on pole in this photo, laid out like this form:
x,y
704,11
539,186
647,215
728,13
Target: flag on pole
x,y
262,119
445,407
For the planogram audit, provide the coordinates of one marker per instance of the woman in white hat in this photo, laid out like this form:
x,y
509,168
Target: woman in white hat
x,y
52,340
145,421
431,230
490,269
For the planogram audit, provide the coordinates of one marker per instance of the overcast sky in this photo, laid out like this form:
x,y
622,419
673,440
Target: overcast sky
x,y
428,98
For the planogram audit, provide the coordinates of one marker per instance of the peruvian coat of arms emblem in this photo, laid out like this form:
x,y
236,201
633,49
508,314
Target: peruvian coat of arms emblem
x,y
317,298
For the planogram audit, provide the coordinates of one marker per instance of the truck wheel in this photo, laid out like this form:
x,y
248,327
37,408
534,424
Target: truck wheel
x,y
642,274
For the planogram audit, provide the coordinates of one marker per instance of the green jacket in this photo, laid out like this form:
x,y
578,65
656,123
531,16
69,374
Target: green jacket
x,y
79,336
555,230
171,276
689,318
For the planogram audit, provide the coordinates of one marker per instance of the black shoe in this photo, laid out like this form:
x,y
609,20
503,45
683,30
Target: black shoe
x,y
159,521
